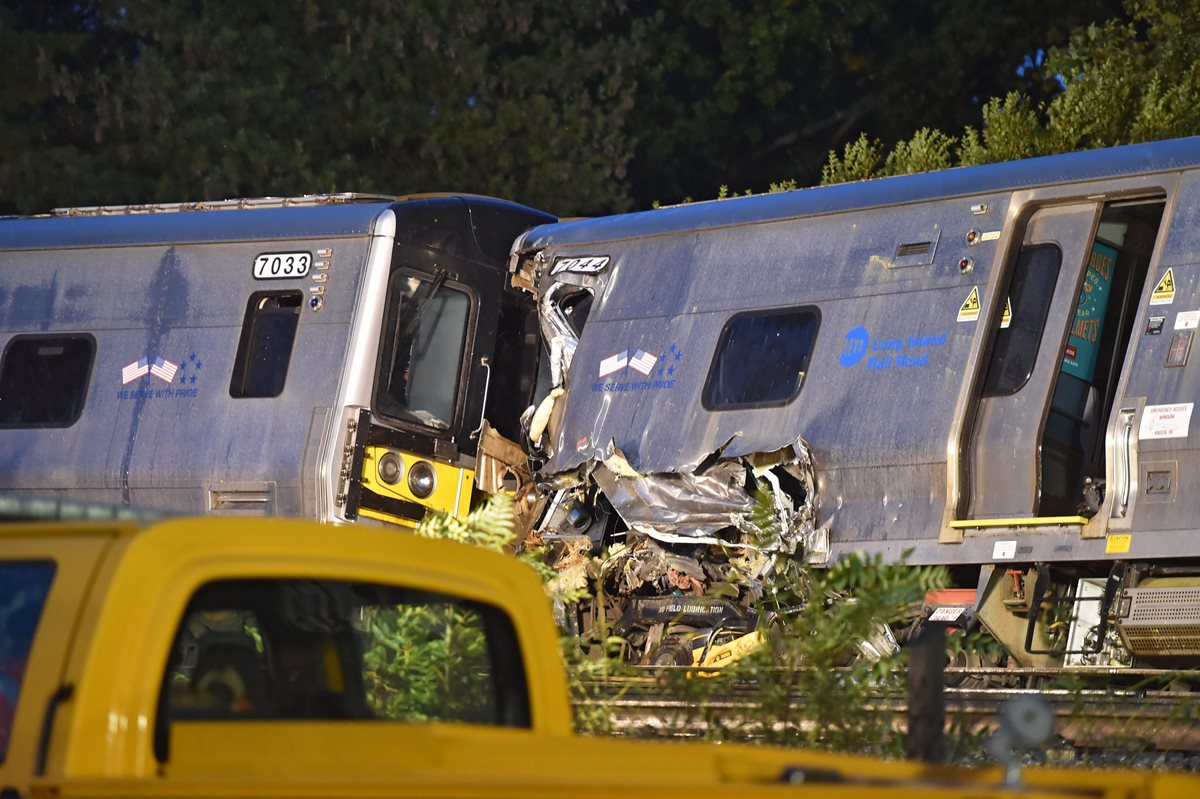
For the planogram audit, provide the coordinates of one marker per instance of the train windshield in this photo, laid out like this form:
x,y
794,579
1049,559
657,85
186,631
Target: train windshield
x,y
422,354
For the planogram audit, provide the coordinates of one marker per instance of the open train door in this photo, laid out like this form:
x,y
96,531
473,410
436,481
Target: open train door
x,y
1004,475
1034,454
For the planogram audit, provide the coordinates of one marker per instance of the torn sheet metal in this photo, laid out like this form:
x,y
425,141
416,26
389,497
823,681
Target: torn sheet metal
x,y
680,508
503,465
705,506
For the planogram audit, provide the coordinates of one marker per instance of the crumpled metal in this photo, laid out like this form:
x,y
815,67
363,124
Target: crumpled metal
x,y
679,508
694,507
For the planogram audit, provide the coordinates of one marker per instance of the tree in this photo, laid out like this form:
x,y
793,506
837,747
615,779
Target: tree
x,y
230,98
577,108
1123,81
745,92
45,125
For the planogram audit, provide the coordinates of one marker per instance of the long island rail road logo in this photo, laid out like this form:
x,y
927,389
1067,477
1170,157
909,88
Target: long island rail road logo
x,y
890,352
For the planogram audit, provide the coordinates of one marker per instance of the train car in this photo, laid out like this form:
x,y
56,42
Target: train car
x,y
334,357
987,368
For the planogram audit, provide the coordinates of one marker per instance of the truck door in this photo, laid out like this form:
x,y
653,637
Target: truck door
x,y
1036,449
45,577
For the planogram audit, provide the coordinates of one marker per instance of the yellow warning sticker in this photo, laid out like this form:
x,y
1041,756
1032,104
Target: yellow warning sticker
x,y
1117,544
969,311
1164,292
1006,318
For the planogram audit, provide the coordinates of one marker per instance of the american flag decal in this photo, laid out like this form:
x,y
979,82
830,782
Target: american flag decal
x,y
614,363
135,370
643,362
163,369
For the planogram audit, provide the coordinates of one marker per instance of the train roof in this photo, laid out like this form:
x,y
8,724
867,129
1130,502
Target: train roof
x,y
1113,162
312,216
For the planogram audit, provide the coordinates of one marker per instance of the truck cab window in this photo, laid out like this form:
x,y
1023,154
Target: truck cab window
x,y
24,586
421,354
761,359
265,349
44,380
327,649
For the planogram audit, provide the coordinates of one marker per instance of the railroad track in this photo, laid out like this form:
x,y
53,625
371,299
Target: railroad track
x,y
1151,709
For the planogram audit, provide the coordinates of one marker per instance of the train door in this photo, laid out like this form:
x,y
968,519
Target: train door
x,y
455,342
415,448
1036,448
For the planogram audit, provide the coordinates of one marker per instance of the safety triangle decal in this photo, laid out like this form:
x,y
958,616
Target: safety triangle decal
x,y
969,311
1164,292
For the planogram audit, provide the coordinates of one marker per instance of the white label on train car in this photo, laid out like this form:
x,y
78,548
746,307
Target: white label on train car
x,y
1004,550
946,614
1166,421
282,265
1187,320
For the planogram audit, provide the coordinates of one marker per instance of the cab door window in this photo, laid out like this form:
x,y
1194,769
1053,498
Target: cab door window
x,y
421,353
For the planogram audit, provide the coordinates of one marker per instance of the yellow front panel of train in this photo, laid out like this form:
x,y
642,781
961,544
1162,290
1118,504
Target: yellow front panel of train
x,y
408,484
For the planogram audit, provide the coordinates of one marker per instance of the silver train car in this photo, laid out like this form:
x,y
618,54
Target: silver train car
x,y
988,368
327,356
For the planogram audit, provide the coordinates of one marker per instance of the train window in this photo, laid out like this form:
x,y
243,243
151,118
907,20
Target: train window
x,y
44,380
422,352
313,649
24,586
575,308
265,349
761,359
1030,292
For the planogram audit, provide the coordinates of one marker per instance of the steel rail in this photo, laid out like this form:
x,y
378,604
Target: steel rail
x,y
1156,711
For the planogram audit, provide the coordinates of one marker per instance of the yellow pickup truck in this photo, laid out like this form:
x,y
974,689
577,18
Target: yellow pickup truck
x,y
267,658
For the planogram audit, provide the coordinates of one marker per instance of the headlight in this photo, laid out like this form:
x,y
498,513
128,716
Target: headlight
x,y
390,468
421,479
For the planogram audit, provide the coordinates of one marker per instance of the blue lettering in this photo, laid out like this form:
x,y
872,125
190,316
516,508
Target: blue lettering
x,y
904,360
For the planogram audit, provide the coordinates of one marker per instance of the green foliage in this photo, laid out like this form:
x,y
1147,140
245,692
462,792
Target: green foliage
x,y
578,108
428,662
860,160
488,525
927,150
827,650
250,98
1131,79
780,80
431,660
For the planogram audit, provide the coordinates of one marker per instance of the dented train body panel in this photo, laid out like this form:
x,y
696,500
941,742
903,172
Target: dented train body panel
x,y
984,366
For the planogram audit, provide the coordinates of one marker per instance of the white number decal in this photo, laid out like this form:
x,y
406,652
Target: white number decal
x,y
273,265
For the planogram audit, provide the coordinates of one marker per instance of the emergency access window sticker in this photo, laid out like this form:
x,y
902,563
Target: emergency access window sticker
x,y
282,265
